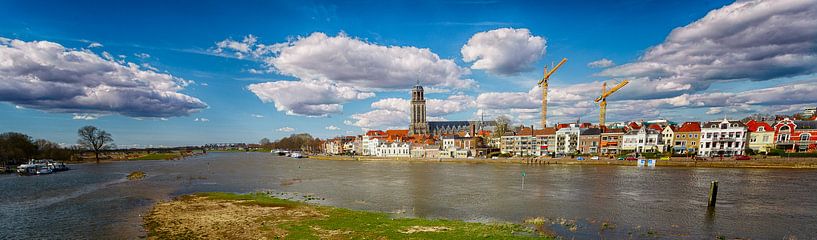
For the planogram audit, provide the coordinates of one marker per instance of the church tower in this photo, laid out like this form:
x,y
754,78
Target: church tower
x,y
418,123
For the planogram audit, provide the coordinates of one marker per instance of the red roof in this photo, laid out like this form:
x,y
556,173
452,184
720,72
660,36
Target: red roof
x,y
562,125
375,133
690,127
526,131
656,127
754,125
634,125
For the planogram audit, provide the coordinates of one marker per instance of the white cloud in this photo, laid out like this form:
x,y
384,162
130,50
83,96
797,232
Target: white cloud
x,y
503,51
354,62
312,99
379,118
747,40
45,75
257,115
286,129
142,55
94,45
601,63
19,107
201,120
86,116
332,127
395,112
340,65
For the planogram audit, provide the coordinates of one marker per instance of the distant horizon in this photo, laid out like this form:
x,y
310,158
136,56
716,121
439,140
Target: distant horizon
x,y
192,74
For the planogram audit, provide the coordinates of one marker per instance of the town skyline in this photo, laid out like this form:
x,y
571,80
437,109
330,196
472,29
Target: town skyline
x,y
329,71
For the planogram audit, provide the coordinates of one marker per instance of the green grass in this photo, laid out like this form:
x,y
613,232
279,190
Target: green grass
x,y
374,225
157,156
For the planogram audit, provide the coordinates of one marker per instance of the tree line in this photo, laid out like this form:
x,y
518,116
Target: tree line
x,y
16,148
294,142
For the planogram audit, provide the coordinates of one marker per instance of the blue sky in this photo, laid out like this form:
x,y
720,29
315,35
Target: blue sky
x,y
180,41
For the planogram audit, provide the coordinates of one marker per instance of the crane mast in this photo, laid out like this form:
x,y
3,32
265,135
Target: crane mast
x,y
544,84
602,100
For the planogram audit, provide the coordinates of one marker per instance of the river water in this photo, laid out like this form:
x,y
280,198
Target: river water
x,y
95,201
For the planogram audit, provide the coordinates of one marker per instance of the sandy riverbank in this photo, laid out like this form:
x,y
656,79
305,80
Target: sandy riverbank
x,y
261,216
771,162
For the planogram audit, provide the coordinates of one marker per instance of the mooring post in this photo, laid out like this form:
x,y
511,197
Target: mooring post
x,y
713,193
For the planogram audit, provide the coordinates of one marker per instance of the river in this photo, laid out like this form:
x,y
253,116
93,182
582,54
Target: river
x,y
95,201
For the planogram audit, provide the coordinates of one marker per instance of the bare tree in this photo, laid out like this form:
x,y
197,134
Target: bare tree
x,y
94,139
502,123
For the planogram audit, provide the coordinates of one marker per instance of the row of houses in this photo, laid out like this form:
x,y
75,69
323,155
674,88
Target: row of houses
x,y
707,139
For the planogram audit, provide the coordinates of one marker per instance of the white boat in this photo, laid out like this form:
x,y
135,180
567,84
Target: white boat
x,y
295,155
45,170
40,166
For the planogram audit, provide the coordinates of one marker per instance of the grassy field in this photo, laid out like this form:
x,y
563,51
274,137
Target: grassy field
x,y
157,156
257,216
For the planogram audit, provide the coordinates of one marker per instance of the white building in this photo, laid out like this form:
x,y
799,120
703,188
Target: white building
x,y
722,138
567,140
393,149
642,140
368,145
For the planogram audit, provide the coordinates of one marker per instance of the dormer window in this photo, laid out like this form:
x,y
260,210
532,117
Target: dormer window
x,y
761,129
724,126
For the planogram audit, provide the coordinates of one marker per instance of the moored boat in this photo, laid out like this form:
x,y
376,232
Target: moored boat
x,y
40,166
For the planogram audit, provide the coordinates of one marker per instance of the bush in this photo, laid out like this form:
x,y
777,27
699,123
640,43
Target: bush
x,y
750,151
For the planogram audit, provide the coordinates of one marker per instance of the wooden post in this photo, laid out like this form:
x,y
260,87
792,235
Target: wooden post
x,y
713,193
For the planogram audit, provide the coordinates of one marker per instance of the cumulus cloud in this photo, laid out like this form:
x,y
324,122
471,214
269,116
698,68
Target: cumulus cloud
x,y
94,45
306,98
601,63
47,76
332,128
286,129
395,112
504,51
354,62
347,65
747,40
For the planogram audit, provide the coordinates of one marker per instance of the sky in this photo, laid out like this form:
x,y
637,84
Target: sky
x,y
174,73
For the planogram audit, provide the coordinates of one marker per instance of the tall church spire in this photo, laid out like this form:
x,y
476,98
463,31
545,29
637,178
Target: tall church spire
x,y
418,123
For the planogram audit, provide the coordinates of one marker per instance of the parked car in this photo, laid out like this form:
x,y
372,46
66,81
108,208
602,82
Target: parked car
x,y
621,158
664,158
631,159
580,159
594,158
742,157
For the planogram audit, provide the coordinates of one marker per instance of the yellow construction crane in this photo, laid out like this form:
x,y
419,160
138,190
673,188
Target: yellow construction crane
x,y
602,100
544,84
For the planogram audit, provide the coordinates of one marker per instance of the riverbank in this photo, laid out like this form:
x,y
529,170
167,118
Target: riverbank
x,y
794,163
261,216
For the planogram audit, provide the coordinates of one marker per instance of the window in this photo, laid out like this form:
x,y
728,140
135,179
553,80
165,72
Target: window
x,y
724,126
805,137
765,138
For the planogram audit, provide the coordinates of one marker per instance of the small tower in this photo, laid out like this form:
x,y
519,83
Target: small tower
x,y
418,123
